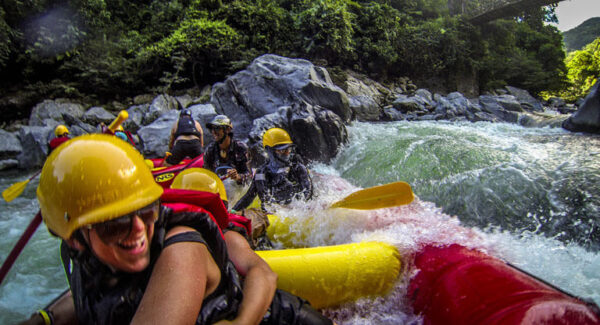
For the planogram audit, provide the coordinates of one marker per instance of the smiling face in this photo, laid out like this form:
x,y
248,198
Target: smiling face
x,y
130,253
218,133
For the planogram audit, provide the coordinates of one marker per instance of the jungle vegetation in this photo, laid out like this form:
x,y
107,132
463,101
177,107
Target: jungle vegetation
x,y
104,50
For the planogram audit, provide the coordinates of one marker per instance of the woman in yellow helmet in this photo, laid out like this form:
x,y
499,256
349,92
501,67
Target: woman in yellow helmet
x,y
282,178
61,135
130,259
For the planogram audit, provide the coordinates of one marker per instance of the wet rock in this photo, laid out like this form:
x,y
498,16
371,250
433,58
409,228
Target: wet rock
x,y
10,146
524,98
97,115
34,140
587,117
54,110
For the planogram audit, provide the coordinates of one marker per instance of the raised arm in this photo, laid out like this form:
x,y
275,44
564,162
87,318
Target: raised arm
x,y
172,136
259,283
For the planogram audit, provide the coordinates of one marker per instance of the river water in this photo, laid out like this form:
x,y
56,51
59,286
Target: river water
x,y
530,196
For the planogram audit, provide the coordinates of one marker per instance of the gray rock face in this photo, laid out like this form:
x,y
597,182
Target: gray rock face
x,y
297,96
524,98
156,135
10,148
54,110
272,82
97,115
587,117
34,140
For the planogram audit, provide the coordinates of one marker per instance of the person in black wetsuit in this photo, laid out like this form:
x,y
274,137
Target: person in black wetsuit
x,y
226,152
186,139
131,260
282,178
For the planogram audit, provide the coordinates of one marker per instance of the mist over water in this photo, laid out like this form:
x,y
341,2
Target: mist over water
x,y
528,196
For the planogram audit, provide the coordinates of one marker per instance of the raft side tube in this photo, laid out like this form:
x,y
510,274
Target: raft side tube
x,y
331,275
457,285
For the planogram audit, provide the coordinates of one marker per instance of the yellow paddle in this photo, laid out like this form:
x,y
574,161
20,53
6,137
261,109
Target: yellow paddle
x,y
123,115
377,197
16,189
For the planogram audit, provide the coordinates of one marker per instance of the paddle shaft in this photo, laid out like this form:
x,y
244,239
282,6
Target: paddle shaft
x,y
34,175
12,257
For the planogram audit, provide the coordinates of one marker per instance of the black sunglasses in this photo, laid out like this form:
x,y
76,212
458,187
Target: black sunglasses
x,y
116,229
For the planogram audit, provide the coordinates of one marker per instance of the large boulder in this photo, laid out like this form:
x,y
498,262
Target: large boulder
x,y
156,135
51,112
524,98
10,148
160,105
490,104
97,115
317,132
272,82
587,117
34,140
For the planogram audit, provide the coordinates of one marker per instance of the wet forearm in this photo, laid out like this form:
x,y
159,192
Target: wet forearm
x,y
259,288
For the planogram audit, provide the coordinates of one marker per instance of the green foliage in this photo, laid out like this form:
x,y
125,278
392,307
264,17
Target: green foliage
x,y
206,45
327,29
262,24
109,48
420,9
5,40
578,37
377,33
442,46
583,71
518,55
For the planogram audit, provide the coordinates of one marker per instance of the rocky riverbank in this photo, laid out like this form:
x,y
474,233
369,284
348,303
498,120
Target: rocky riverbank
x,y
298,96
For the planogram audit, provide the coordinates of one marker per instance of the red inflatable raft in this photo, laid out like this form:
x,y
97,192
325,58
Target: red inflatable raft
x,y
457,285
164,175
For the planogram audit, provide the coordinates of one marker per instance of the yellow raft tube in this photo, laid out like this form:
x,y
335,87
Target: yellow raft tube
x,y
331,275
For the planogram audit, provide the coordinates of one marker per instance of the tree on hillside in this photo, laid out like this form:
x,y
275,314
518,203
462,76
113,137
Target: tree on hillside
x,y
578,37
583,71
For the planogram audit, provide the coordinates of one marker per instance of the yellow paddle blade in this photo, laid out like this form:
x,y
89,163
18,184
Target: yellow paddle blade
x,y
377,197
123,115
14,190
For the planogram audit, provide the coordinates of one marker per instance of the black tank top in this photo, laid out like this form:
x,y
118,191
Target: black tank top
x,y
186,126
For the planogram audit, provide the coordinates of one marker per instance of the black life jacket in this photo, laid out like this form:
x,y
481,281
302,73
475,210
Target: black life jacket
x,y
105,297
283,184
186,126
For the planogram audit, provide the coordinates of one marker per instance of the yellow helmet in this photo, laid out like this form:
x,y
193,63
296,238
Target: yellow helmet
x,y
91,179
61,130
276,137
200,179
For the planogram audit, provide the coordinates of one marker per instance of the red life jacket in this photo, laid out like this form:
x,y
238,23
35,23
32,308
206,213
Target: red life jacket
x,y
57,142
190,199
